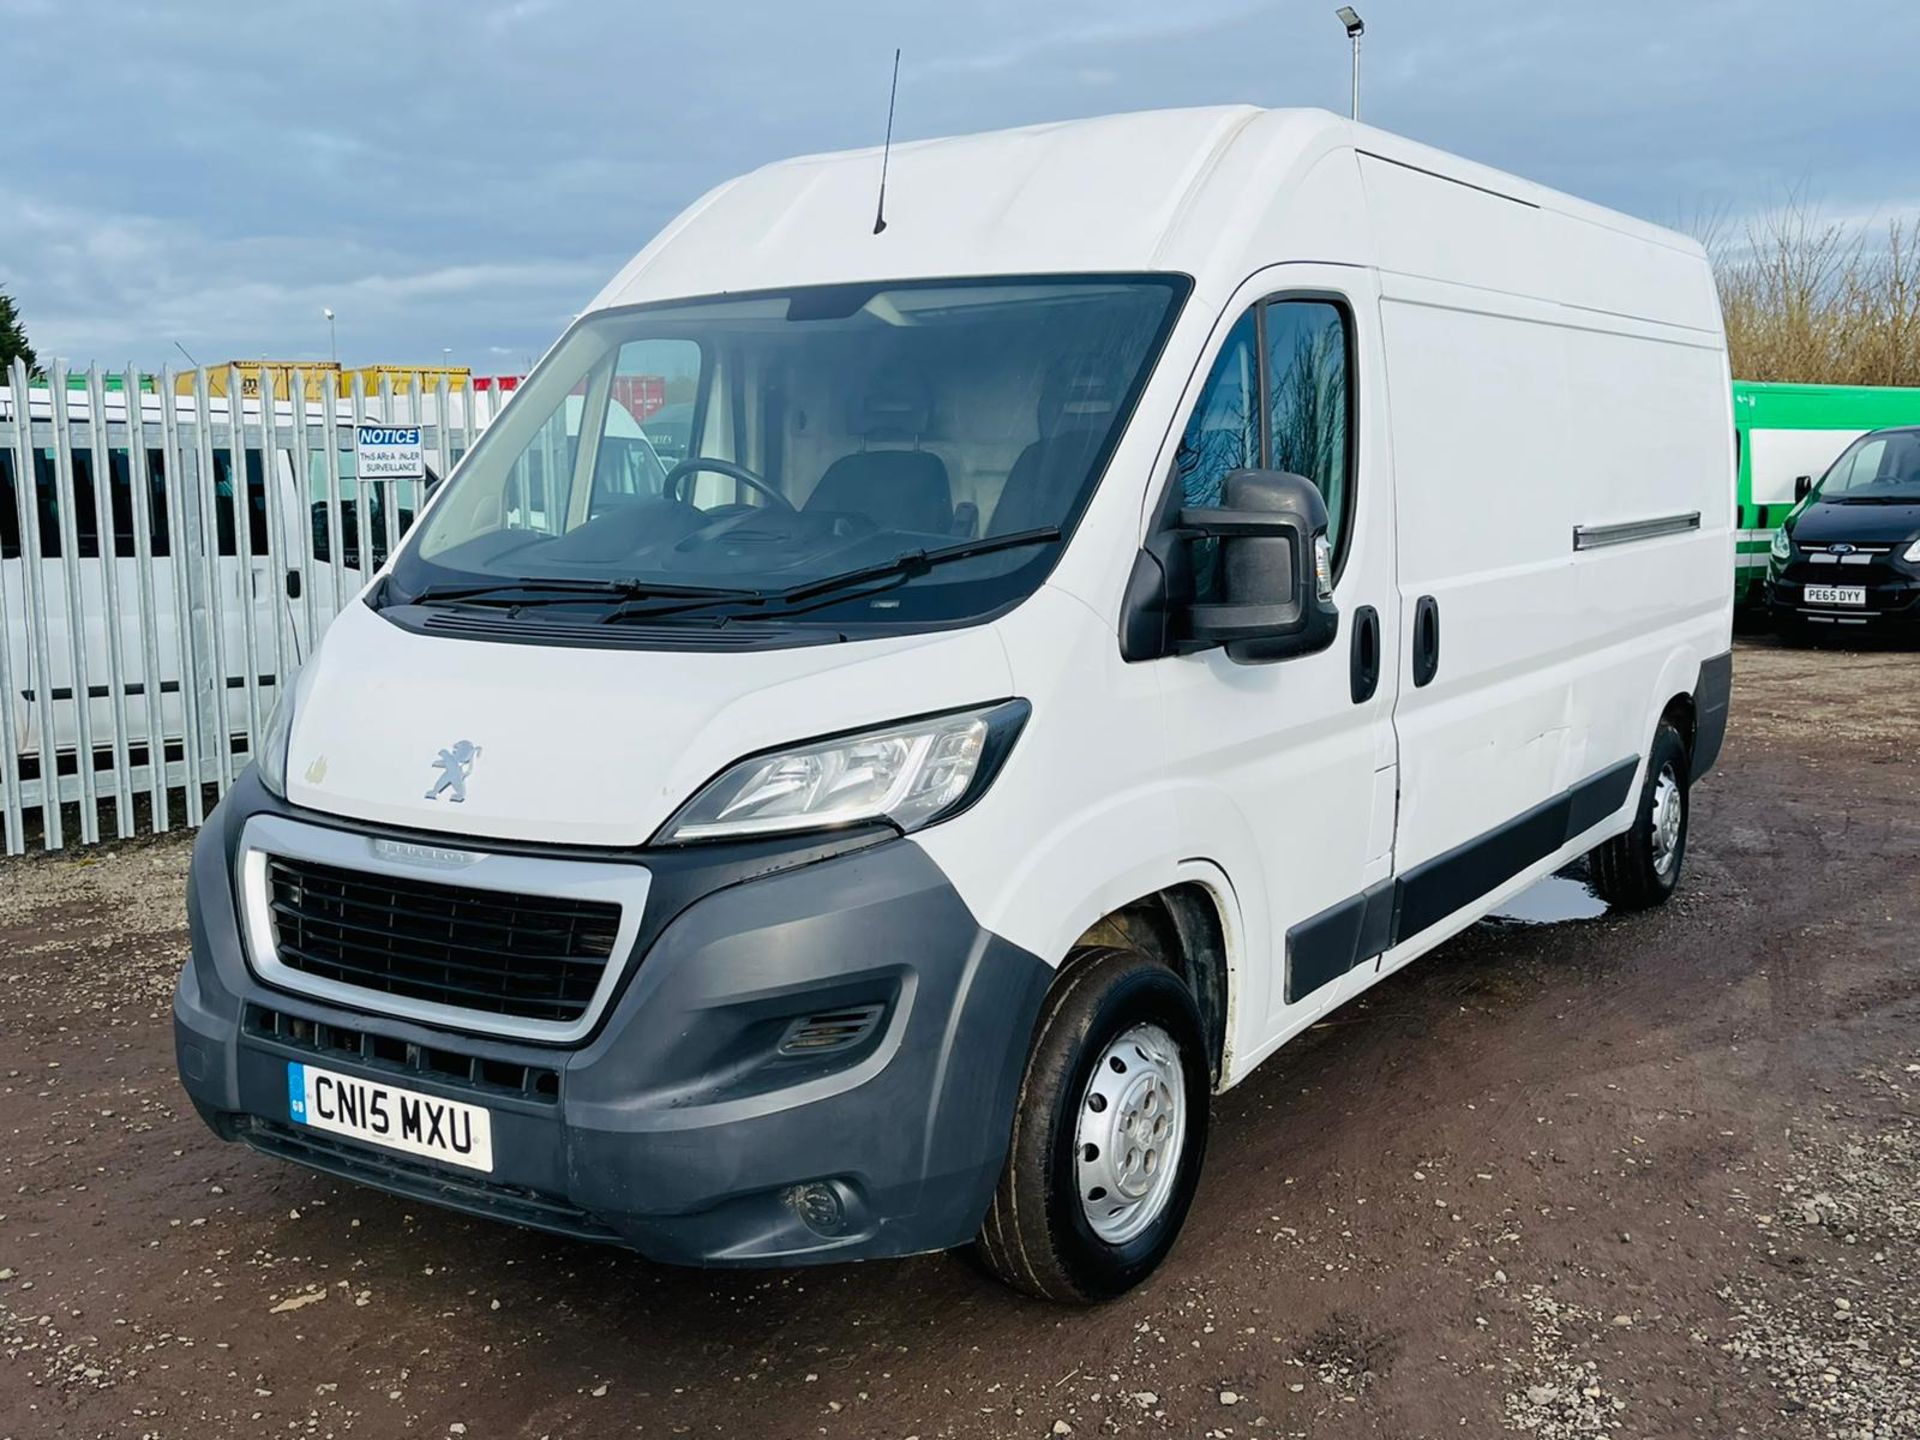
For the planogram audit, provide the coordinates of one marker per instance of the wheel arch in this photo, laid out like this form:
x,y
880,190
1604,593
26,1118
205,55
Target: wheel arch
x,y
1683,713
1186,926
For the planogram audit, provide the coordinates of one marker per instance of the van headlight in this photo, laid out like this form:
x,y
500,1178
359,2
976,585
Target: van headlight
x,y
274,738
912,774
1782,545
1912,555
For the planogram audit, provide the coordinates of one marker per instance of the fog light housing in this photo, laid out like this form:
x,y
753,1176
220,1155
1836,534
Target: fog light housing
x,y
820,1206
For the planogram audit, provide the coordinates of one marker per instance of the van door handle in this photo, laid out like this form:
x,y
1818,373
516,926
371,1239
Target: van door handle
x,y
1426,639
1364,676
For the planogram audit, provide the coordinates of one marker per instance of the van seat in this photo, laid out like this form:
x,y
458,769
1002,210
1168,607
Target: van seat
x,y
898,489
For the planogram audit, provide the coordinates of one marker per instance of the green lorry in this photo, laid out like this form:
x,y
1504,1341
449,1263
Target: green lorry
x,y
1785,431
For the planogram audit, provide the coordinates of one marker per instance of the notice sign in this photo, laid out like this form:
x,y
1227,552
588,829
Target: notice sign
x,y
389,452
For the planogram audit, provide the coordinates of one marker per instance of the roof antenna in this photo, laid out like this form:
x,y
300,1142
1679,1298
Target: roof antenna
x,y
880,210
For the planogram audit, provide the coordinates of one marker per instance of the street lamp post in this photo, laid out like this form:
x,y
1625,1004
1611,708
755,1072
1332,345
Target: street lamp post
x,y
333,344
1356,27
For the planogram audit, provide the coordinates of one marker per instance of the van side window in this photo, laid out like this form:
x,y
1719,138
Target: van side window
x,y
1222,436
1279,398
1309,412
223,502
86,523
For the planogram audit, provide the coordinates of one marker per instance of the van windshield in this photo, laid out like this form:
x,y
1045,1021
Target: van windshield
x,y
1878,468
932,443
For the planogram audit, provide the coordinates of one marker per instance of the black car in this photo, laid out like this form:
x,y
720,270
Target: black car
x,y
1848,556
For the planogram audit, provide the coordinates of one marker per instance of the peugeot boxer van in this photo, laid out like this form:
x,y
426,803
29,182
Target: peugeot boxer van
x,y
1165,575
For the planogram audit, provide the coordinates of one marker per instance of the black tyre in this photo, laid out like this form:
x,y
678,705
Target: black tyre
x,y
1640,868
1108,1136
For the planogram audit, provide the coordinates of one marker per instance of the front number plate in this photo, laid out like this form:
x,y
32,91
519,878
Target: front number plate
x,y
388,1116
1836,594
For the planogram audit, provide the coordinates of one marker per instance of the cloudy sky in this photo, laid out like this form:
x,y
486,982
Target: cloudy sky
x,y
460,179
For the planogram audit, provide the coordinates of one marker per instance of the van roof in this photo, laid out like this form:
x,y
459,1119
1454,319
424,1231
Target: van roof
x,y
1151,190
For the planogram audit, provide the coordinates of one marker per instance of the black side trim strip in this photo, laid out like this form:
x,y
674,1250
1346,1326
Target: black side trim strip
x,y
1593,800
1326,946
1712,696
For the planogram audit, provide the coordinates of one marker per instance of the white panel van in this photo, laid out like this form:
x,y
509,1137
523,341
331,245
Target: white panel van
x,y
75,528
262,563
1177,570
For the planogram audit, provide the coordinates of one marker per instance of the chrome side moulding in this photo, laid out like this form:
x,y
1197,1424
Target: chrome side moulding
x,y
1595,537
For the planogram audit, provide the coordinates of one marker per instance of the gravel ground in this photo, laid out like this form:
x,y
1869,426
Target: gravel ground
x,y
1649,1176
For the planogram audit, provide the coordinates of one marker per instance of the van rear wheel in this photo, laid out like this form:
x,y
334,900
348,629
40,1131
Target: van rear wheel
x,y
1108,1135
1640,868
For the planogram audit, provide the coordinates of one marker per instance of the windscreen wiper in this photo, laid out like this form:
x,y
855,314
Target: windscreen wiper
x,y
527,590
916,562
898,570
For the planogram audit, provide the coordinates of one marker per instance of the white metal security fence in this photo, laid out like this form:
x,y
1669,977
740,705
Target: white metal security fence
x,y
165,558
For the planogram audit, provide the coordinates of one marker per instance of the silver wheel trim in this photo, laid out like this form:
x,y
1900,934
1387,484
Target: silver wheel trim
x,y
1668,817
1131,1133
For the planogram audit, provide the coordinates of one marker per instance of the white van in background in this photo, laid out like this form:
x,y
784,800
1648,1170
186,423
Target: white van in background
x,y
1180,569
277,570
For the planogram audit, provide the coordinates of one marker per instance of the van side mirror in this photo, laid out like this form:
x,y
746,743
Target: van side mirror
x,y
1276,571
1802,487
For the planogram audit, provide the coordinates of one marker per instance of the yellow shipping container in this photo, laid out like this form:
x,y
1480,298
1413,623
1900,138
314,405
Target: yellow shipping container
x,y
321,377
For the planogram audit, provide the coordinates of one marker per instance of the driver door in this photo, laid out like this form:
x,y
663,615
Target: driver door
x,y
1293,763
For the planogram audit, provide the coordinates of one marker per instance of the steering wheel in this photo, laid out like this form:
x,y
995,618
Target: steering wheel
x,y
670,487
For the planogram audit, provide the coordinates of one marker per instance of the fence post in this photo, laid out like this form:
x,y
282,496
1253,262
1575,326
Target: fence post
x,y
302,492
107,533
219,725
183,540
390,510
241,479
336,557
10,738
34,571
279,562
80,688
152,674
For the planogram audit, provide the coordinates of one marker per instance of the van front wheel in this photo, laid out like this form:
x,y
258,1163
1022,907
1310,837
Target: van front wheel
x,y
1640,868
1108,1134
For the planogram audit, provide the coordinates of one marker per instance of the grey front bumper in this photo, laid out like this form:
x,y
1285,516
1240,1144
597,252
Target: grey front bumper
x,y
677,1127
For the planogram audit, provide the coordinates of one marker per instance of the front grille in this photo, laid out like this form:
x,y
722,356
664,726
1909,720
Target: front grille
x,y
421,1179
533,957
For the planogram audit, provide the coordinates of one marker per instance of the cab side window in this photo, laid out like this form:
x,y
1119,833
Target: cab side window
x,y
1279,398
1308,410
1224,433
1222,436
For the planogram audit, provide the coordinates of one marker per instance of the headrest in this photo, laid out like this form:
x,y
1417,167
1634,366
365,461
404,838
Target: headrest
x,y
896,406
1078,395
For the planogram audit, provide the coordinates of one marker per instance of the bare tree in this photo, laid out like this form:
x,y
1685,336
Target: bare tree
x,y
1817,301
